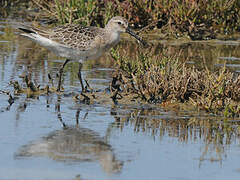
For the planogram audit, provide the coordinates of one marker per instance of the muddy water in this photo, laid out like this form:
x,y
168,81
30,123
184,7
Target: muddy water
x,y
53,137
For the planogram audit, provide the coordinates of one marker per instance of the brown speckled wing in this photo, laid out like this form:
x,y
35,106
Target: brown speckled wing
x,y
75,36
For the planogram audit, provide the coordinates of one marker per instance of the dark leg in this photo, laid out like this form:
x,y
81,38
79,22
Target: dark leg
x,y
80,77
60,74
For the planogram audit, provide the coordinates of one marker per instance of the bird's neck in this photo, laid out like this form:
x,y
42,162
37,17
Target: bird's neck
x,y
115,38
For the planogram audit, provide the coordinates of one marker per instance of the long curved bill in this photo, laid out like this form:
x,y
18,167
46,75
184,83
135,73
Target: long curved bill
x,y
129,31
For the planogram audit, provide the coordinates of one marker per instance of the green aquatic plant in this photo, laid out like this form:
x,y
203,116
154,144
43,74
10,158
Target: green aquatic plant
x,y
76,11
162,79
70,11
201,19
73,10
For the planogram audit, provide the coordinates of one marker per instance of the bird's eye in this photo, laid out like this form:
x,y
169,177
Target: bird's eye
x,y
119,23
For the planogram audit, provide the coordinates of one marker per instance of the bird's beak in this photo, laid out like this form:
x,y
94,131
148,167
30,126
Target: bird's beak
x,y
129,31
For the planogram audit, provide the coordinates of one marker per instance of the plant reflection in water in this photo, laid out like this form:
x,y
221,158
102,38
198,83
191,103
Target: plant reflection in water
x,y
213,133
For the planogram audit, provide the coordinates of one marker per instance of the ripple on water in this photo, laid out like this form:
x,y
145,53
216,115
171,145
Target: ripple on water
x,y
106,141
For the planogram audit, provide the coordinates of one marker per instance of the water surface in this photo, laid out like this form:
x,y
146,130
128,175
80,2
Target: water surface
x,y
54,137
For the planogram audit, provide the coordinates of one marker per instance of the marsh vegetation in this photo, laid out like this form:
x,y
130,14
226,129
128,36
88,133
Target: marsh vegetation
x,y
176,101
204,19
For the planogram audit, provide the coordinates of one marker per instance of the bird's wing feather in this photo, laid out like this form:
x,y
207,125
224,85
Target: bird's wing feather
x,y
75,36
72,36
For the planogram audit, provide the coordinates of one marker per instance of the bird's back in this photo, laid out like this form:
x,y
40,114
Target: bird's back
x,y
71,41
76,36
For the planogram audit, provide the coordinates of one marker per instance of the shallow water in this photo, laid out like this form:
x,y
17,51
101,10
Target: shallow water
x,y
53,137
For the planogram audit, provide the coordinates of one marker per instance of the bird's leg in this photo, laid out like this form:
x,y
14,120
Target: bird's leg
x,y
60,74
80,77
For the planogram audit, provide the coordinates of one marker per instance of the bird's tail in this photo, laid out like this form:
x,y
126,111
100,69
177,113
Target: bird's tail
x,y
29,30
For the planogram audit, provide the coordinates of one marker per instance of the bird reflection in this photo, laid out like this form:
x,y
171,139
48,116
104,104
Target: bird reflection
x,y
73,144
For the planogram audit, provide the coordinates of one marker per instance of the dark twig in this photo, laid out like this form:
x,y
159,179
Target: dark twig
x,y
30,84
88,86
86,99
50,79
